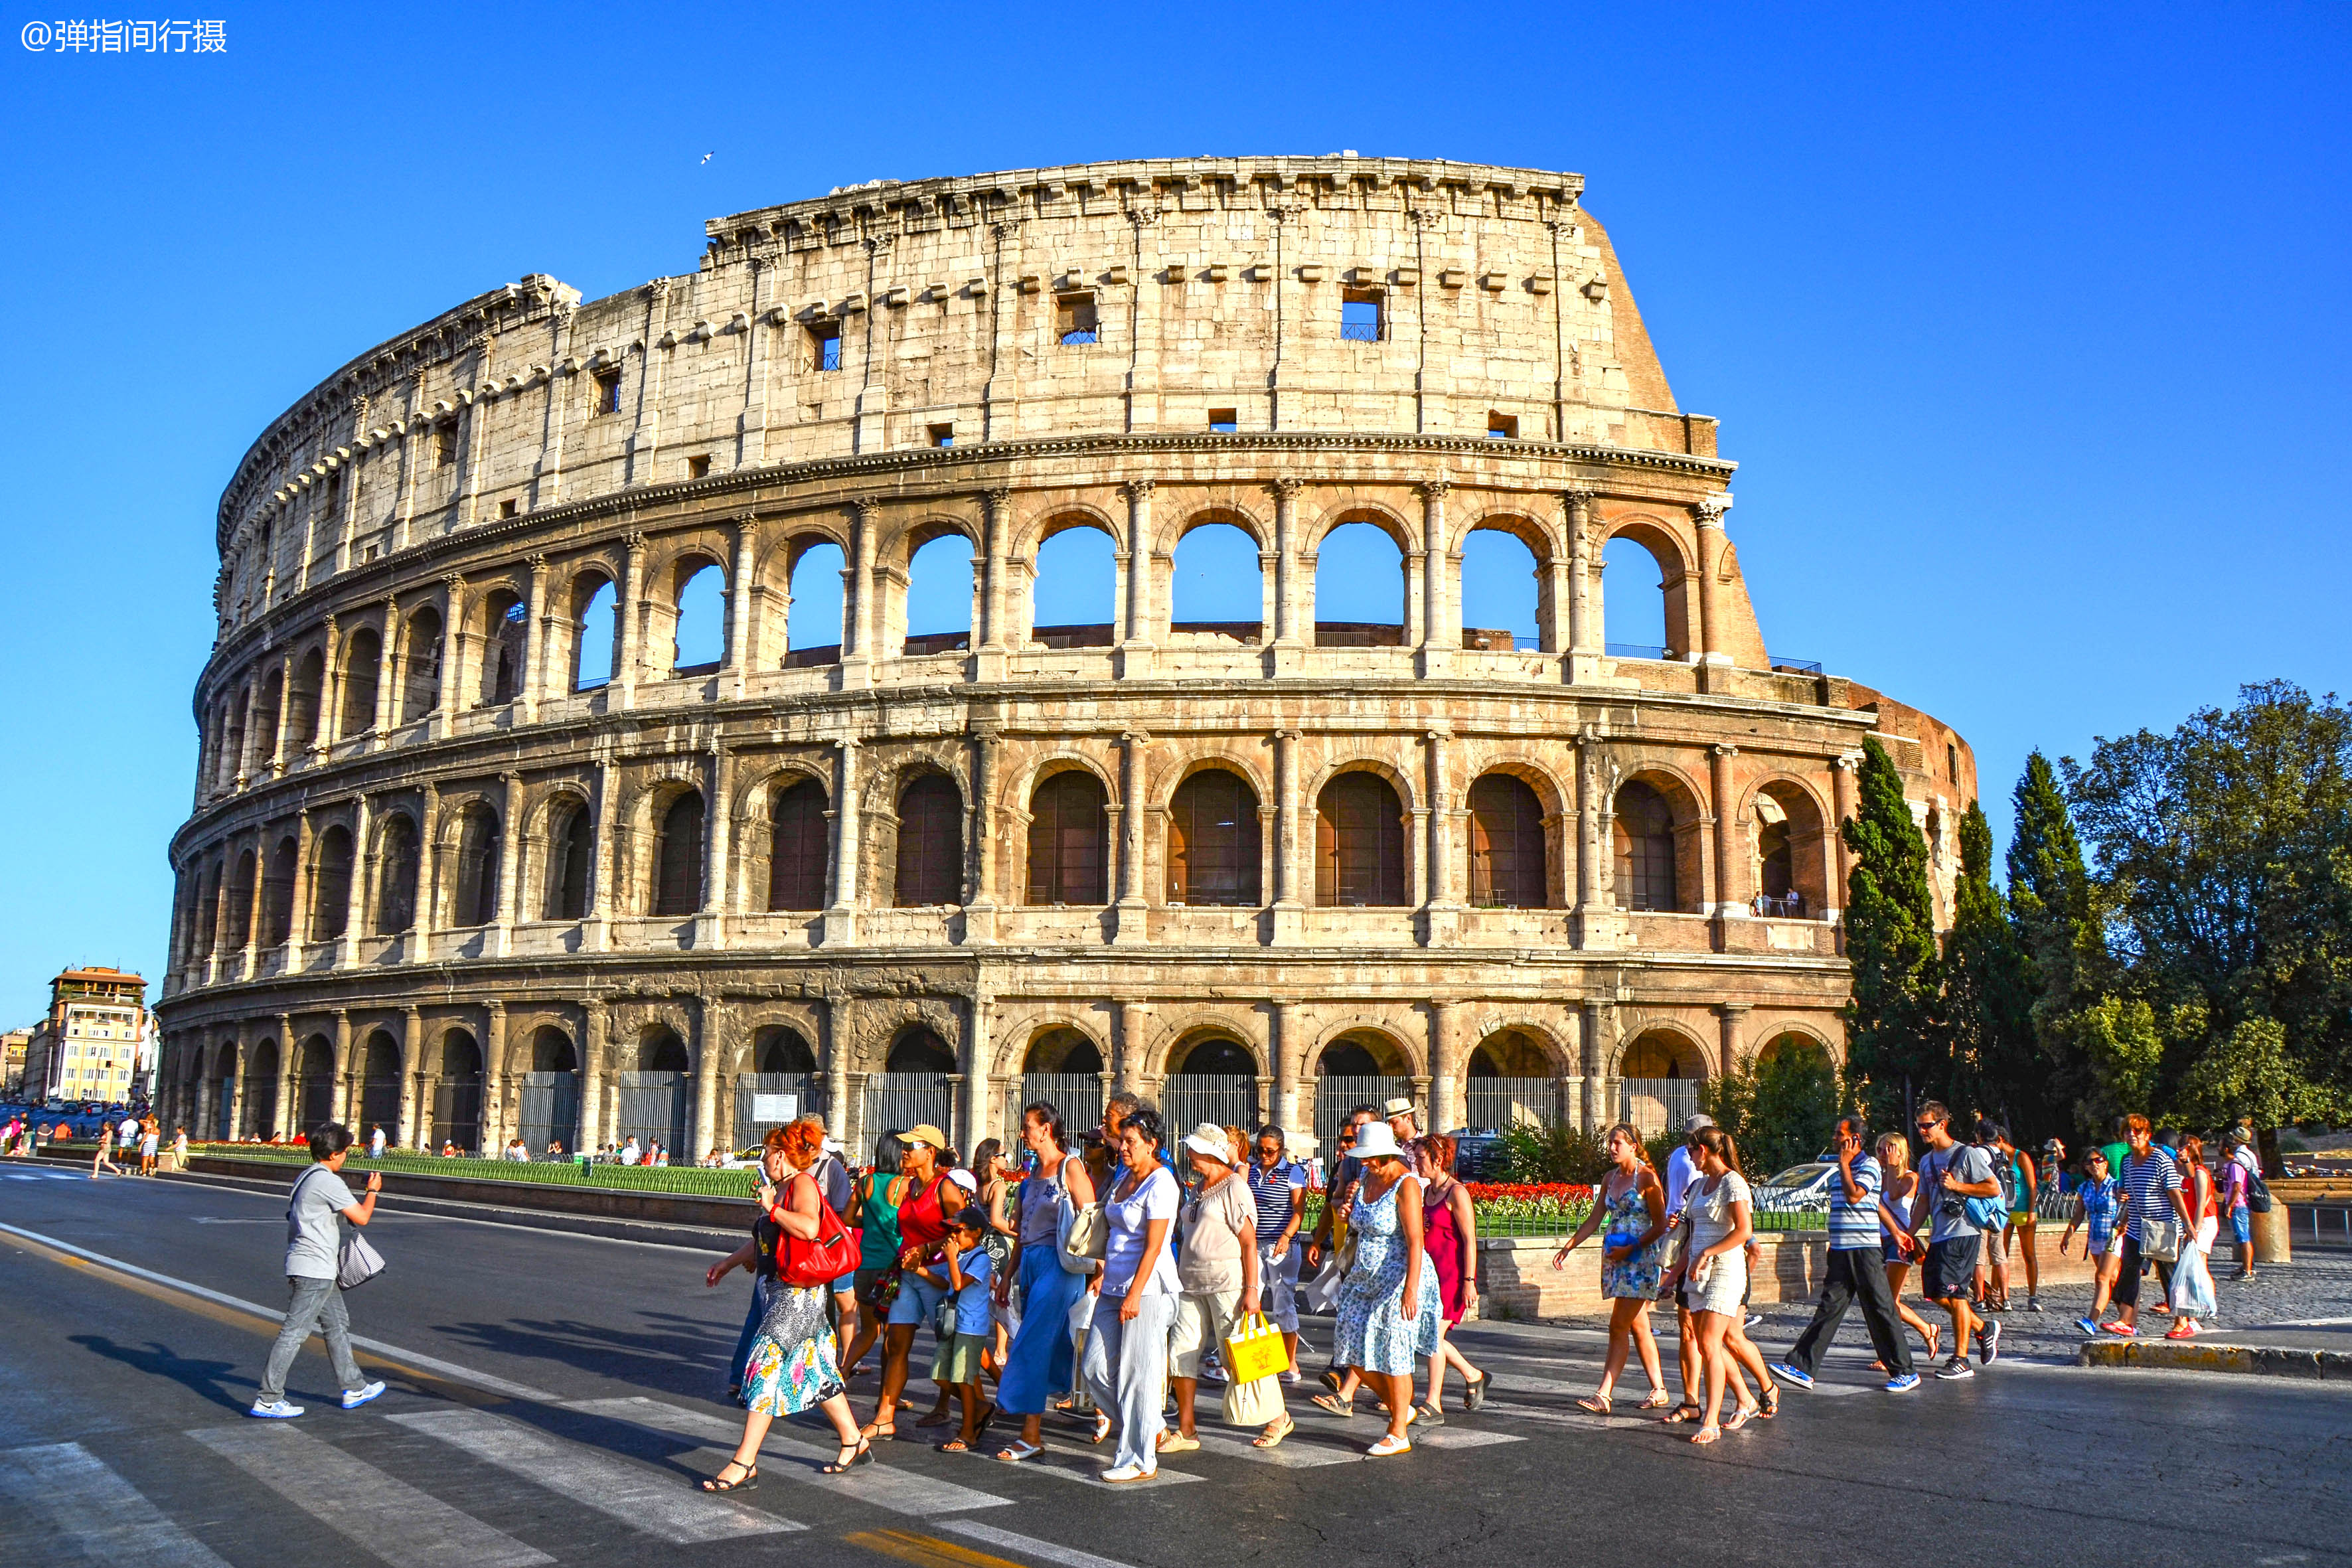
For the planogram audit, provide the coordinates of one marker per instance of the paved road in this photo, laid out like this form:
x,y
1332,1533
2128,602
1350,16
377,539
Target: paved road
x,y
552,1396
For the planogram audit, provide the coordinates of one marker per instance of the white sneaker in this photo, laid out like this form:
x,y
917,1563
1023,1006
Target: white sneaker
x,y
274,1410
355,1398
1129,1473
1291,1376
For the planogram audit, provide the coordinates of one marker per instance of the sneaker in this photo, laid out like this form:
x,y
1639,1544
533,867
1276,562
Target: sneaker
x,y
2090,1326
274,1410
1753,1319
355,1398
1989,1344
1782,1372
1956,1368
1903,1383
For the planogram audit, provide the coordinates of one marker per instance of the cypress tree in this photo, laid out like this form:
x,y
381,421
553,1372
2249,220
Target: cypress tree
x,y
1890,936
2052,906
1988,1001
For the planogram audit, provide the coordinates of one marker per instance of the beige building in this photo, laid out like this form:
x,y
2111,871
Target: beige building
x,y
505,820
94,1043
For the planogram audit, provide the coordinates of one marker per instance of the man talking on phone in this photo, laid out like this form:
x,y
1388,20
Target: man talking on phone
x,y
1854,1269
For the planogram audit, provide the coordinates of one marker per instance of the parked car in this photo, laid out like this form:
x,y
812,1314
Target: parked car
x,y
1479,1156
1800,1189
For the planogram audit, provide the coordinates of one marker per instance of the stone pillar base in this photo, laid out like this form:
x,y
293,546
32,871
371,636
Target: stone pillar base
x,y
2271,1244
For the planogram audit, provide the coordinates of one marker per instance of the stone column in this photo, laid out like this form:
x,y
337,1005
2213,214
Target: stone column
x,y
629,610
596,931
1728,901
345,1106
1289,645
977,1049
451,700
841,916
1729,1016
536,622
415,1113
1288,1045
276,758
1136,646
1134,787
1289,908
1589,847
710,1046
1441,637
1447,1094
710,922
496,1127
1599,1109
1126,1067
1709,515
1585,629
1840,864
328,702
297,896
1445,893
737,658
860,622
281,1088
832,1050
347,954
591,1076
995,641
428,871
979,908
501,936
392,667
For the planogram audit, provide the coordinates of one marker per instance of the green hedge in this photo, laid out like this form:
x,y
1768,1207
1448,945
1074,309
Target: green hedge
x,y
685,1181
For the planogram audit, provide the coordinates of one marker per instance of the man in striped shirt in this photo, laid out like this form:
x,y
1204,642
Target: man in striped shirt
x,y
1854,1270
2152,1193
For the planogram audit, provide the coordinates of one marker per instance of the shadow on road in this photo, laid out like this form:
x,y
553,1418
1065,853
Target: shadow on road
x,y
691,1359
211,1379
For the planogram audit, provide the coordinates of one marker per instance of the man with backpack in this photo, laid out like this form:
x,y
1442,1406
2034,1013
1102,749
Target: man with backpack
x,y
1959,1195
2243,1193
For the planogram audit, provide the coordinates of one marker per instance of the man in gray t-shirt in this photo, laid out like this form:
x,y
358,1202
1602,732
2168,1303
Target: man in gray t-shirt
x,y
1949,1173
316,1211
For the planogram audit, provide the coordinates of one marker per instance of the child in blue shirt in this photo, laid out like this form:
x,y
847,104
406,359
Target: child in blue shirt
x,y
963,1271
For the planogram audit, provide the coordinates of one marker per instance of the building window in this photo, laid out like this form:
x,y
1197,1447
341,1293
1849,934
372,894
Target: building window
x,y
1951,762
1506,843
1359,843
509,507
1363,315
1073,320
930,843
677,858
607,391
698,467
445,445
1225,421
1212,840
825,345
1646,853
1502,426
799,838
1069,840
942,434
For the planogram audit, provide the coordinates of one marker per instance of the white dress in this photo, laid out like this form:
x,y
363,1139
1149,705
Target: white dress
x,y
1725,1285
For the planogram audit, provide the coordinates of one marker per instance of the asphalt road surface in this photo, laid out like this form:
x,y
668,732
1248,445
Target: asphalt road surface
x,y
554,1397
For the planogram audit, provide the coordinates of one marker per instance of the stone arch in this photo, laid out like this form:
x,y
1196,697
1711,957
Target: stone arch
x,y
777,1048
1068,857
795,865
1372,625
1513,861
470,847
1065,1045
397,863
331,883
498,619
1030,534
1543,539
1172,532
588,644
878,1030
1204,858
1509,1045
1661,1048
1657,824
280,874
1790,847
1405,533
1185,1048
421,645
1216,577
363,660
1363,850
1665,548
927,852
1391,1052
661,1047
690,612
305,695
919,1048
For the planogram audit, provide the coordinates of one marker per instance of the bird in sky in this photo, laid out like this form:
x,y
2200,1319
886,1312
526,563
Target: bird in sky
x,y
707,156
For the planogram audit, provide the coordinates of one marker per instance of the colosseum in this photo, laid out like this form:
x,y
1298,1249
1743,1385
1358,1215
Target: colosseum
x,y
570,767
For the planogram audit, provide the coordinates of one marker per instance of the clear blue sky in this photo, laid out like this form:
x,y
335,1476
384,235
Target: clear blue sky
x,y
2028,328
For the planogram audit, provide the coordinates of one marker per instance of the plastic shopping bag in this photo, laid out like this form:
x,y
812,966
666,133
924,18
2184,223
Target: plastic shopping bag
x,y
1254,1349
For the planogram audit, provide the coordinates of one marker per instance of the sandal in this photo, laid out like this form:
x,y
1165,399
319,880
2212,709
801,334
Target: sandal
x,y
863,1454
952,1446
1739,1417
1935,1340
1475,1390
1707,1434
980,1427
1771,1405
1658,1400
1102,1428
1018,1450
1598,1403
1272,1438
874,1431
743,1483
936,1418
1332,1405
1676,1418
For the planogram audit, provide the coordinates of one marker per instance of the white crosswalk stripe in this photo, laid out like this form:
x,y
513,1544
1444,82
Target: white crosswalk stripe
x,y
90,1507
1027,1545
383,1513
881,1484
644,1499
1085,1463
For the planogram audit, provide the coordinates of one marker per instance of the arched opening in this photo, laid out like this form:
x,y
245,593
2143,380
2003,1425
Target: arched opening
x,y
677,884
208,910
1790,870
1212,841
362,669
1211,1078
702,605
1360,588
782,1086
1509,1082
457,1097
315,1098
475,896
240,901
277,895
1063,1065
1658,1080
1649,869
1074,596
380,1087
812,628
1507,867
232,763
1359,843
570,852
259,1094
653,1097
330,884
302,698
420,690
506,636
929,855
1215,584
919,1048
1069,840
265,719
913,1087
798,844
396,888
224,1096
595,631
547,1108
1640,599
1504,592
938,595
1363,1067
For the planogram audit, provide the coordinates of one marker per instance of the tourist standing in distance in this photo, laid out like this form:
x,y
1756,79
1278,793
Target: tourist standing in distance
x,y
2152,1196
2237,1171
1632,1202
1950,1174
316,1212
1278,1185
1038,1363
2096,1203
1857,1211
376,1142
1217,1273
1898,1246
1126,1343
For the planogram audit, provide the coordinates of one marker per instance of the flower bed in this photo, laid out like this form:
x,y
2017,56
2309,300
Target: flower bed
x,y
1529,1208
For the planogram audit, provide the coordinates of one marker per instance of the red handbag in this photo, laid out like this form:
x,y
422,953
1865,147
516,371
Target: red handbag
x,y
826,1258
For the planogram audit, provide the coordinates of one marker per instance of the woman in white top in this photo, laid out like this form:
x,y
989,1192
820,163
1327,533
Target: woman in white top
x,y
1713,1277
1127,1348
1218,1273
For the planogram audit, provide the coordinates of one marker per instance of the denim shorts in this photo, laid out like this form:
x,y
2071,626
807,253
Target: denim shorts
x,y
919,1300
2241,1227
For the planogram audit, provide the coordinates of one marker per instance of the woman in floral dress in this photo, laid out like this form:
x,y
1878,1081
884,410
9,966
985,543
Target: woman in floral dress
x,y
1632,1202
1388,1301
791,1365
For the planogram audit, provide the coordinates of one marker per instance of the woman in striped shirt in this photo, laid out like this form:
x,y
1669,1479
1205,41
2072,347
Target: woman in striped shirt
x,y
2152,1193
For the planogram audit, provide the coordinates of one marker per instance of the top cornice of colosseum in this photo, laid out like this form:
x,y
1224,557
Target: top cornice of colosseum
x,y
1134,181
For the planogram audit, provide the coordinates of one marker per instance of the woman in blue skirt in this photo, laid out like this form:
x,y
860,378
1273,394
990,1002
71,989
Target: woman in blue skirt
x,y
1038,1364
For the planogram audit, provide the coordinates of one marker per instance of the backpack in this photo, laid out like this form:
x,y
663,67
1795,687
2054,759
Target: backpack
x,y
2258,1193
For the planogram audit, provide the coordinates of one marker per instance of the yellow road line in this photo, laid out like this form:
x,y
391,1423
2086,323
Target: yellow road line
x,y
925,1550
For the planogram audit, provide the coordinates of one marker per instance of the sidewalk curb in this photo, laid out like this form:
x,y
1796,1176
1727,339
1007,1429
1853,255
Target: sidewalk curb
x,y
2259,1360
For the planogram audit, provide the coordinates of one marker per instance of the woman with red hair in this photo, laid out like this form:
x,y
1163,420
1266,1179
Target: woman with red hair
x,y
791,1365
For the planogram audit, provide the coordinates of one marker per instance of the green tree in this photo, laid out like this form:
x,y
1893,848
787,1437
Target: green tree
x,y
1781,1110
2250,1075
1891,944
1987,1011
2120,1041
2050,893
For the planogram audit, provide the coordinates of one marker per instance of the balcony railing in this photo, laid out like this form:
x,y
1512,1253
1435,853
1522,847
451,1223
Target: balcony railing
x,y
1073,336
1635,650
1780,906
1361,332
1798,666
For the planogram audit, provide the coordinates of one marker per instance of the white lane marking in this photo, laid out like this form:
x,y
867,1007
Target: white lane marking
x,y
383,1513
1292,1454
901,1491
1461,1437
1557,1417
96,1510
640,1496
1085,1466
1028,1545
501,1387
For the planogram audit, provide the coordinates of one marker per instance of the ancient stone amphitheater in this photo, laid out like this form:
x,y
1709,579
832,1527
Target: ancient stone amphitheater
x,y
568,766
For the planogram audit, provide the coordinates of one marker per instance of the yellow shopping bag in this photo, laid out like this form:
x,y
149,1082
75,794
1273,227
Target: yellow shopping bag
x,y
1254,1349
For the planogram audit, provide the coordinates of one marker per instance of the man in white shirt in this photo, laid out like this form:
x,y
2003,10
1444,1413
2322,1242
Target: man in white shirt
x,y
630,1152
1682,1165
376,1142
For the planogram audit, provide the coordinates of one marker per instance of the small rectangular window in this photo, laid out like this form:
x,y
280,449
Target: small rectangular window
x,y
1363,315
1951,762
1502,426
1073,320
445,445
1225,421
698,467
942,434
509,507
825,345
608,392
